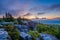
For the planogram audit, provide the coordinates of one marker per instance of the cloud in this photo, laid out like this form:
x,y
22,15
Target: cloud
x,y
38,8
18,7
28,14
15,7
45,8
54,7
40,13
16,12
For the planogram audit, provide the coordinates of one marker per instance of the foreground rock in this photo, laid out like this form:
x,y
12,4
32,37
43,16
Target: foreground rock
x,y
3,35
47,37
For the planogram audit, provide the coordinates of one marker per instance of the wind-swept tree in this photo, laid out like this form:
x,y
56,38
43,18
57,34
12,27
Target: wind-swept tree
x,y
8,17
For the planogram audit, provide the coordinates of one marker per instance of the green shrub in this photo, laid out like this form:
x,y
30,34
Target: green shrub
x,y
34,34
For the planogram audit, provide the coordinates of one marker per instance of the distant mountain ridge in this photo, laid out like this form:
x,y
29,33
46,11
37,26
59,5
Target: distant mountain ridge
x,y
57,18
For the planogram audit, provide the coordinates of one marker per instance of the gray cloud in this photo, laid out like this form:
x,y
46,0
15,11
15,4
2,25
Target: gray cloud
x,y
15,7
39,8
41,13
28,14
54,7
16,12
46,8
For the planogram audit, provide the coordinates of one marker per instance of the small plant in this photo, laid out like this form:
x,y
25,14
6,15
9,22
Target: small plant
x,y
34,34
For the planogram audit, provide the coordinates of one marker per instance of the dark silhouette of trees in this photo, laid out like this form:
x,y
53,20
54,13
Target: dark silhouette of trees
x,y
8,17
19,20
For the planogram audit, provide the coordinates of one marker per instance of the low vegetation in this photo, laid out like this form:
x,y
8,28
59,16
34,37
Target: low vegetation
x,y
34,34
13,32
41,28
49,29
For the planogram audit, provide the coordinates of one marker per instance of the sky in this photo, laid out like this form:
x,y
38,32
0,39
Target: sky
x,y
31,8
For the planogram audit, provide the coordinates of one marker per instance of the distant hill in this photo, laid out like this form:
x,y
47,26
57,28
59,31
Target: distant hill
x,y
57,18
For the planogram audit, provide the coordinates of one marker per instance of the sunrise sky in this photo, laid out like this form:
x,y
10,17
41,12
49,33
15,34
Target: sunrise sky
x,y
31,8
